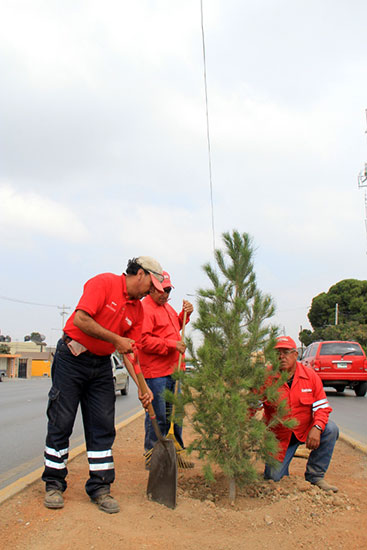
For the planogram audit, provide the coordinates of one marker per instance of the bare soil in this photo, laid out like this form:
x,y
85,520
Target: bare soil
x,y
290,514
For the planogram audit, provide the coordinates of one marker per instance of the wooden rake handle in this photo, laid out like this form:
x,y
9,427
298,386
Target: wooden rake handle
x,y
179,362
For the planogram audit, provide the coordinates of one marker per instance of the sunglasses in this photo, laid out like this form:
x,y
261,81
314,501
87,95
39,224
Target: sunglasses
x,y
167,290
285,351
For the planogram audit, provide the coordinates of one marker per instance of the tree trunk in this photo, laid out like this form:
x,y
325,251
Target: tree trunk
x,y
232,490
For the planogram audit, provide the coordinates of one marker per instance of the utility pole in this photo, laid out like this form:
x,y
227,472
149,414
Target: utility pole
x,y
336,313
63,313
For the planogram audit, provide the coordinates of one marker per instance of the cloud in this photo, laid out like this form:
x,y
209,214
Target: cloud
x,y
172,233
27,214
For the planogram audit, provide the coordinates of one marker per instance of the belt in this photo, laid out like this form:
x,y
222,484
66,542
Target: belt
x,y
66,338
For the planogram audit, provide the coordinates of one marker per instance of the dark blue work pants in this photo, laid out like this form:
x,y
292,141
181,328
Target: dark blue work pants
x,y
162,411
318,461
85,379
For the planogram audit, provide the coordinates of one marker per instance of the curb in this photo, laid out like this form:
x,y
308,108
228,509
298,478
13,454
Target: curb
x,y
353,442
34,476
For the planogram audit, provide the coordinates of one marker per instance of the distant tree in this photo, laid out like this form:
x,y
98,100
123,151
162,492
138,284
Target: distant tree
x,y
37,338
4,348
351,297
348,331
228,381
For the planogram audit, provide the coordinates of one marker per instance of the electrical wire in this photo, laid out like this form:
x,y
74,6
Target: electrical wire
x,y
24,302
207,123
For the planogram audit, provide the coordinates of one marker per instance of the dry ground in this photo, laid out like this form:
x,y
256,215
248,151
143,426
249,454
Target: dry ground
x,y
289,515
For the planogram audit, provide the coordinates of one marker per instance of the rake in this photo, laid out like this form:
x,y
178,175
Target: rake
x,y
182,461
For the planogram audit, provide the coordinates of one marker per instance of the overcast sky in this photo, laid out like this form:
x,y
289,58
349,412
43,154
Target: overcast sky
x,y
103,152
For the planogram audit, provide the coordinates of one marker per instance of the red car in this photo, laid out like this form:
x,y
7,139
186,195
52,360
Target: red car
x,y
339,365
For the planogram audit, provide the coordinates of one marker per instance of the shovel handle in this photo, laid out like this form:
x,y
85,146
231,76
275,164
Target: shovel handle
x,y
144,389
143,386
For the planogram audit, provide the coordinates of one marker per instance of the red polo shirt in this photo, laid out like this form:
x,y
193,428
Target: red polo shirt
x,y
105,299
161,331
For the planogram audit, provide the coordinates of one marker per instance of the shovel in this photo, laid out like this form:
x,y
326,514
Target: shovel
x,y
162,481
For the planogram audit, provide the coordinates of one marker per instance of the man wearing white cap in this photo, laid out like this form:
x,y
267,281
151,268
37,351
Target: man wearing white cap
x,y
308,405
159,352
108,317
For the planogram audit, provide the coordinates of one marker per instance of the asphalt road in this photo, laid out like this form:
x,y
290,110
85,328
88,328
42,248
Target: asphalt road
x,y
23,424
349,413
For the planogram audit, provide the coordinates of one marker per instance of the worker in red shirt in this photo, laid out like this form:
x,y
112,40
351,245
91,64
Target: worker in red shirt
x,y
159,352
108,317
308,404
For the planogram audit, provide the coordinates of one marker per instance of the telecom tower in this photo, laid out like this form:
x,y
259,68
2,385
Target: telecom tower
x,y
362,182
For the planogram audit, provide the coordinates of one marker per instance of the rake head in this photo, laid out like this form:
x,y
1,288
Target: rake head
x,y
182,462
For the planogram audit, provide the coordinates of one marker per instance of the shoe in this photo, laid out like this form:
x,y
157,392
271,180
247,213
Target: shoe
x,y
54,499
324,485
106,503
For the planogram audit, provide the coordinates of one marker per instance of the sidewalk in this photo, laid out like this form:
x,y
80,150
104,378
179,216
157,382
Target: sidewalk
x,y
266,515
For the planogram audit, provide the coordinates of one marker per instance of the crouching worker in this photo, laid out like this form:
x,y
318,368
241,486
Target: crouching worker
x,y
308,404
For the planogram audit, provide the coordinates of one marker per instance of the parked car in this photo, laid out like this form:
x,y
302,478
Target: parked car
x,y
189,367
339,364
120,375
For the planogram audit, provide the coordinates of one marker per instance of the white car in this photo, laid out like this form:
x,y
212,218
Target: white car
x,y
120,375
189,367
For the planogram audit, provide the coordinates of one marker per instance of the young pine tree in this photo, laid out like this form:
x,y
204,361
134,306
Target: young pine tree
x,y
228,383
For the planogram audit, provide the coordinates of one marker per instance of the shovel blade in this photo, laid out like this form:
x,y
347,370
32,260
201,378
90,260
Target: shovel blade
x,y
162,482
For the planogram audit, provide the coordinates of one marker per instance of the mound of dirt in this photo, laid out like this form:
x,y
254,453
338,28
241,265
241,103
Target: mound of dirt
x,y
266,515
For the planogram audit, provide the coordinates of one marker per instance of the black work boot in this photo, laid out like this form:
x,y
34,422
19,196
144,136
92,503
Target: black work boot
x,y
54,499
106,503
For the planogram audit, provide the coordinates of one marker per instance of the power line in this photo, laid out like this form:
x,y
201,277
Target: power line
x,y
207,123
63,307
25,302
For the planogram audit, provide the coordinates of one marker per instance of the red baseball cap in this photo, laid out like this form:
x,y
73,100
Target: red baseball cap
x,y
285,342
166,280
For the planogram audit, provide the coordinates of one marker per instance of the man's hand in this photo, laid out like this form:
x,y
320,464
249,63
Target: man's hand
x,y
313,438
145,398
181,346
124,345
188,307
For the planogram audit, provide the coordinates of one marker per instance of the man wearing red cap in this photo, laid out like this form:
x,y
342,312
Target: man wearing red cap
x,y
308,404
108,317
159,352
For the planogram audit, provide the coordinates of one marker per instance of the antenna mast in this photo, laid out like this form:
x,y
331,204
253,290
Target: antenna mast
x,y
362,182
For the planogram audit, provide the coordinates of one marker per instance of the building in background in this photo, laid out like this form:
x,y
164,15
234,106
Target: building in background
x,y
25,360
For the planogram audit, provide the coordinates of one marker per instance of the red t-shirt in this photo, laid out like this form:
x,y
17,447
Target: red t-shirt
x,y
105,299
161,331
